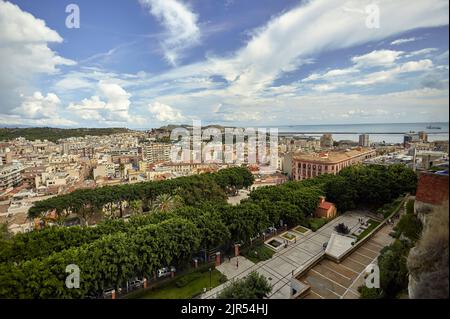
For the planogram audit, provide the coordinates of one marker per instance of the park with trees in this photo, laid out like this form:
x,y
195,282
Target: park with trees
x,y
171,221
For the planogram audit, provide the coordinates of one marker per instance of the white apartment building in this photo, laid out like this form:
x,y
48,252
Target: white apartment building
x,y
364,140
5,156
157,152
10,176
105,170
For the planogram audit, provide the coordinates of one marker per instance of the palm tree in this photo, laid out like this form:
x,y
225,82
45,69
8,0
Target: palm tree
x,y
136,206
166,202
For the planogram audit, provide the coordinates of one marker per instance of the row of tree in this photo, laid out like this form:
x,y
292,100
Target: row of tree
x,y
109,261
54,134
114,199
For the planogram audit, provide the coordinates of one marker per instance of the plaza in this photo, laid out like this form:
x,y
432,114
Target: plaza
x,y
279,269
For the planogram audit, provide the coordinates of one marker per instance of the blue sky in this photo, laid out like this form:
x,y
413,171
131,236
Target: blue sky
x,y
147,63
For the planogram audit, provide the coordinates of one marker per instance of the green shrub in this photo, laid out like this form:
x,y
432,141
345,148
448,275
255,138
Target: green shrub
x,y
342,228
315,223
387,209
409,226
254,286
257,253
410,206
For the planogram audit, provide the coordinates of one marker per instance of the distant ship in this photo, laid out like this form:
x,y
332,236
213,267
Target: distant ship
x,y
431,127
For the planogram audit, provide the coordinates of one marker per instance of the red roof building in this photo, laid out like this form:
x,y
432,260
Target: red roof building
x,y
325,209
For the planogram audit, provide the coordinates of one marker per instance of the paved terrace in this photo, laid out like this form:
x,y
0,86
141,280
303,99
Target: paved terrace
x,y
330,280
278,270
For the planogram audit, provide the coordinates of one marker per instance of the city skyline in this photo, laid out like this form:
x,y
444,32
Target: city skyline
x,y
224,154
140,64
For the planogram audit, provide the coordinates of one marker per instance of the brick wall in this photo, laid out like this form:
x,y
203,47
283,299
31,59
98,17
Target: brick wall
x,y
432,188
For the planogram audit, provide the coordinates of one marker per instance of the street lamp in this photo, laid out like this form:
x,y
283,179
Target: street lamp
x,y
210,279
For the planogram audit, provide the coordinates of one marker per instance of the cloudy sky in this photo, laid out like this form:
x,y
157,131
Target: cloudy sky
x,y
147,63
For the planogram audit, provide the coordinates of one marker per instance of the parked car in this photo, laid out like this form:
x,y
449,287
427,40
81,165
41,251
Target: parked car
x,y
165,272
270,231
135,284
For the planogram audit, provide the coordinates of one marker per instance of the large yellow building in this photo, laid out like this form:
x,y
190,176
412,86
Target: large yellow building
x,y
308,165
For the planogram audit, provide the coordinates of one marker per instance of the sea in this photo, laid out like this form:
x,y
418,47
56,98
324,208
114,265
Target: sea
x,y
389,133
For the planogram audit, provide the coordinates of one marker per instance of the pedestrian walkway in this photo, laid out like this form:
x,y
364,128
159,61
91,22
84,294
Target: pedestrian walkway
x,y
279,269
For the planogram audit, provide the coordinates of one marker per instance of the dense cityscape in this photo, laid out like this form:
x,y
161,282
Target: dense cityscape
x,y
210,152
53,188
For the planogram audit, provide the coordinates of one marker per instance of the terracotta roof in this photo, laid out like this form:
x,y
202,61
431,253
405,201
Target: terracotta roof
x,y
332,156
326,205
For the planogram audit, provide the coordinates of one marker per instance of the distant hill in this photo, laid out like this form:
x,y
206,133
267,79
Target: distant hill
x,y
189,127
54,134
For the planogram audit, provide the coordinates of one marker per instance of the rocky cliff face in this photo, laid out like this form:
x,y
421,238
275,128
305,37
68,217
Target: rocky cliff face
x,y
428,260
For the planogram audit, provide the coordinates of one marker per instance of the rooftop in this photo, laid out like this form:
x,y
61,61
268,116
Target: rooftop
x,y
332,156
338,245
326,205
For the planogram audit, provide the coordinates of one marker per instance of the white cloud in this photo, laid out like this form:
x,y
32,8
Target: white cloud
x,y
70,82
118,98
22,27
331,75
401,41
164,112
24,42
244,80
377,58
229,113
426,51
38,106
323,87
360,113
88,109
180,23
24,52
114,107
391,74
288,40
414,66
385,61
39,109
